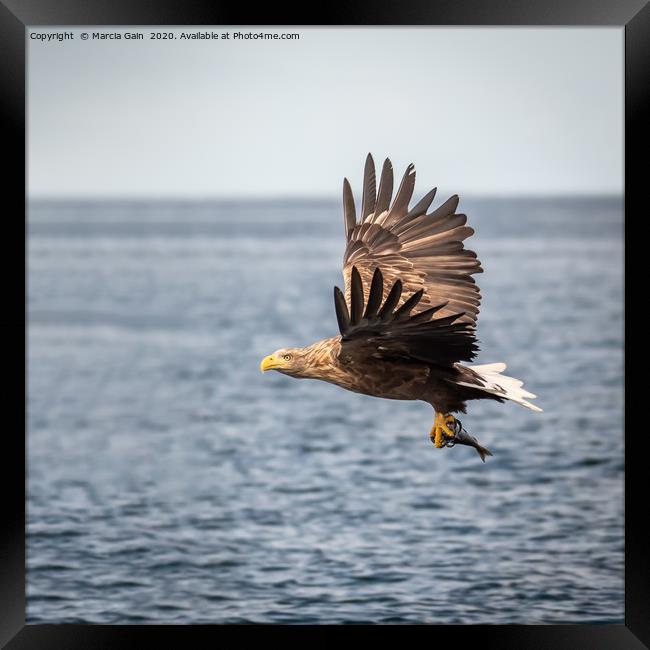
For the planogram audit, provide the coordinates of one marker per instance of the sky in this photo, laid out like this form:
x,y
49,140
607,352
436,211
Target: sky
x,y
480,111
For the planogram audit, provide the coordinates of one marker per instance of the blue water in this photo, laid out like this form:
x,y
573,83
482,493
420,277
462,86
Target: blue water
x,y
171,482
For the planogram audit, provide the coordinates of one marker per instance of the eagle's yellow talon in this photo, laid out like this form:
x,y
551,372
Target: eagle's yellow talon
x,y
448,431
440,430
437,437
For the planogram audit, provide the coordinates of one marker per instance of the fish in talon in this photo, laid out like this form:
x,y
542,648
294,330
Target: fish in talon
x,y
463,437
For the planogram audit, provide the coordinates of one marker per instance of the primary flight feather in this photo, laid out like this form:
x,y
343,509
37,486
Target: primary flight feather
x,y
407,317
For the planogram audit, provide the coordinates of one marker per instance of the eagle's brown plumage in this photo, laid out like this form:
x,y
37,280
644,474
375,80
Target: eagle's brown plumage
x,y
407,317
424,251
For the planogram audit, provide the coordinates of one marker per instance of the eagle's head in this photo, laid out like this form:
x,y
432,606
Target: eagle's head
x,y
288,361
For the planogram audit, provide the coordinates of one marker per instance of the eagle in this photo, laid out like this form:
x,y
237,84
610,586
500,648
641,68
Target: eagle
x,y
407,316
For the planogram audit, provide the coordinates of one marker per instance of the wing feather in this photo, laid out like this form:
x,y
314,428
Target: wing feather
x,y
342,314
448,207
422,250
420,208
356,298
391,301
395,333
349,212
402,199
385,191
369,189
375,295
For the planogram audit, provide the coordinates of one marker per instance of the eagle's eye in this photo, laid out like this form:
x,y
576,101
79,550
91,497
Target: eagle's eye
x,y
287,357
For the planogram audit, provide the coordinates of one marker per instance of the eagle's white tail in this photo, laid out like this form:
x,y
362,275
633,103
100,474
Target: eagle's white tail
x,y
501,385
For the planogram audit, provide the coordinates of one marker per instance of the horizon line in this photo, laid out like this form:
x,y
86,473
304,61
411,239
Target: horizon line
x,y
296,198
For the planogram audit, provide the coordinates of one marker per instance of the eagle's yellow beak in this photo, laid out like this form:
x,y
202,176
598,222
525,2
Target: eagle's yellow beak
x,y
268,363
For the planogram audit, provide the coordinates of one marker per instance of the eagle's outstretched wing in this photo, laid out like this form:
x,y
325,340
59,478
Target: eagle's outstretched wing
x,y
377,328
423,251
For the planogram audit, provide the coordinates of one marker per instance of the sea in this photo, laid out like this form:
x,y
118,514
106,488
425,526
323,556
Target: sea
x,y
170,481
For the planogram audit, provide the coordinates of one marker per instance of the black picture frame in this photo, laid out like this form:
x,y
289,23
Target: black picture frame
x,y
17,15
